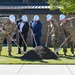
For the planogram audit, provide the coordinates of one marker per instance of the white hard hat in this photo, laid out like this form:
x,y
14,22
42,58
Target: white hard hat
x,y
62,16
24,18
48,17
12,18
36,18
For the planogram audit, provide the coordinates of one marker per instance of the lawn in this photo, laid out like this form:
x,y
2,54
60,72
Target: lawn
x,y
5,59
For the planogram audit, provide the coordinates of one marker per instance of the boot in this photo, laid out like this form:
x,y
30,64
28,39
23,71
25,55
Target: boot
x,y
57,53
64,53
73,54
10,54
19,51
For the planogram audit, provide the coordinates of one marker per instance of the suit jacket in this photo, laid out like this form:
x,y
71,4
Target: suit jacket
x,y
37,27
25,29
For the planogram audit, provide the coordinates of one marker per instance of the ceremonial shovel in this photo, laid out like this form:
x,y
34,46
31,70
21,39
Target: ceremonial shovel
x,y
34,38
47,37
56,50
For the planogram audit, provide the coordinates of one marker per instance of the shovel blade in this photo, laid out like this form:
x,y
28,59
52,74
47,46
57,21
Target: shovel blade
x,y
56,50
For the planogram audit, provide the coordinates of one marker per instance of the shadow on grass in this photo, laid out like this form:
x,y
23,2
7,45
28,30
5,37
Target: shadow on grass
x,y
67,57
18,57
42,61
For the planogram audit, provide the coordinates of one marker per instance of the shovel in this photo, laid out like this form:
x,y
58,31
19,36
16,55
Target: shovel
x,y
13,40
18,45
47,38
56,50
22,38
34,38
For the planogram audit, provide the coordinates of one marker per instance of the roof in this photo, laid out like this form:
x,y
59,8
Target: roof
x,y
24,7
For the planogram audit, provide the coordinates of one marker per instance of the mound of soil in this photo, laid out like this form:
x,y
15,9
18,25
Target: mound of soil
x,y
38,53
31,55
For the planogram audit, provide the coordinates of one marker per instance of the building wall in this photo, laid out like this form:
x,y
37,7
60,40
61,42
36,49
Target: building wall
x,y
44,27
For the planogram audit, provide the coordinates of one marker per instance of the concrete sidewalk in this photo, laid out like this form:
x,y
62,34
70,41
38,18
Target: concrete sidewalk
x,y
37,69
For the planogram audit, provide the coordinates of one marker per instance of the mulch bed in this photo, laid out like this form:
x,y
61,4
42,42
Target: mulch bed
x,y
39,53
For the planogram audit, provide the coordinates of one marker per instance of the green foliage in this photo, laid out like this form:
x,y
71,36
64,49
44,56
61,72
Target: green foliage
x,y
65,6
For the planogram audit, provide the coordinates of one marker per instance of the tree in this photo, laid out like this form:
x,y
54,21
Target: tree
x,y
65,6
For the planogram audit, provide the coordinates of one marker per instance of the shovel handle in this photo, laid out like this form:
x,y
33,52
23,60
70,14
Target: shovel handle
x,y
23,39
67,38
56,50
47,38
15,42
34,38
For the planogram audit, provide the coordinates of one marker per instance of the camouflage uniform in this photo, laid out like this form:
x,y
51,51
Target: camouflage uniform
x,y
1,37
54,32
68,28
7,30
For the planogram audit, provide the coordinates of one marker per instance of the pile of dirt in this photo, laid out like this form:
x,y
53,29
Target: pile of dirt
x,y
39,53
31,55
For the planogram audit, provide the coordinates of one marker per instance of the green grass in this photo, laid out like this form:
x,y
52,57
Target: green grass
x,y
5,59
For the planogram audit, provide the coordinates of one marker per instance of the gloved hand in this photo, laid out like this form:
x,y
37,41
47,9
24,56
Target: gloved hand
x,y
65,38
19,31
0,28
33,35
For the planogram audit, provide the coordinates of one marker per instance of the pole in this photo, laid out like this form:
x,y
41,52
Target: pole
x,y
47,37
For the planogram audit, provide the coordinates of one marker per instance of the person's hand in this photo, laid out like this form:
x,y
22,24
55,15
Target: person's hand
x,y
11,38
65,38
1,28
49,26
4,32
19,31
48,34
33,35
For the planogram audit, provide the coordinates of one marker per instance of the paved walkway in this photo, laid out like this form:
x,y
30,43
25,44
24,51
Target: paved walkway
x,y
37,69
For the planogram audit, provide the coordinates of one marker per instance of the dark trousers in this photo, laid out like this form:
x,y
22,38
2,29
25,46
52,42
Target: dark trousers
x,y
71,44
20,43
37,41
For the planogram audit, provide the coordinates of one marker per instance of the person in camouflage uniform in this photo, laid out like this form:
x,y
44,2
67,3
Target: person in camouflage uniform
x,y
67,27
54,31
7,25
1,37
